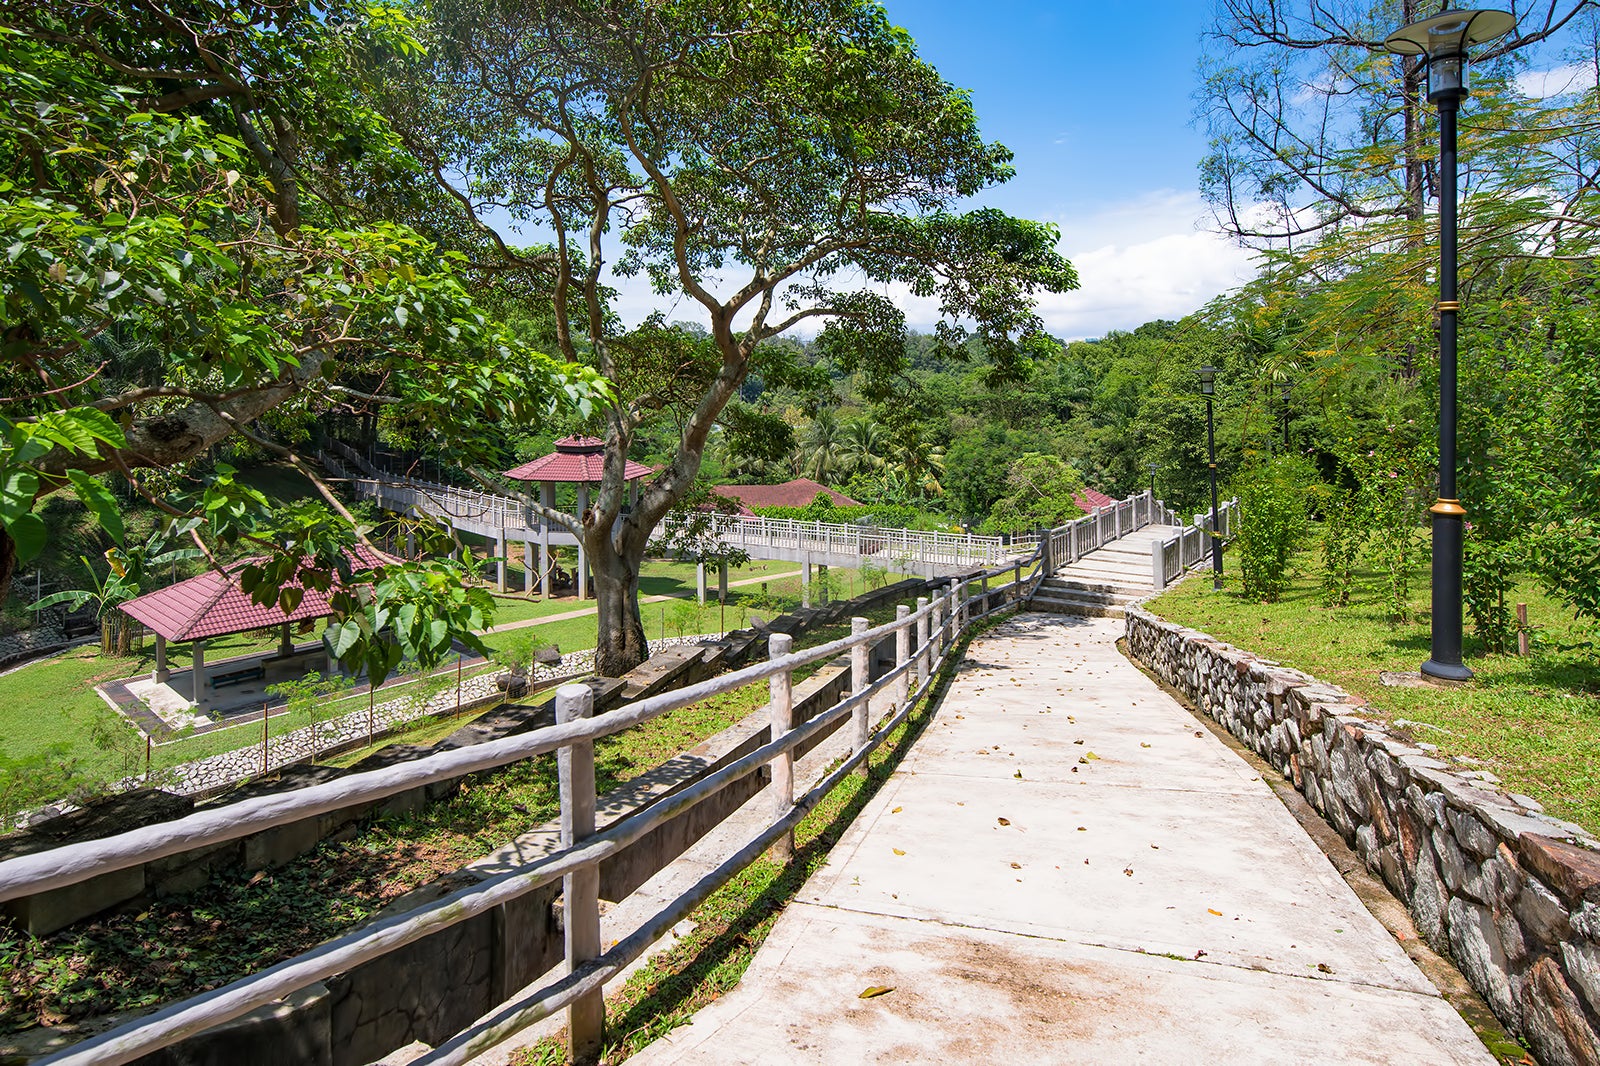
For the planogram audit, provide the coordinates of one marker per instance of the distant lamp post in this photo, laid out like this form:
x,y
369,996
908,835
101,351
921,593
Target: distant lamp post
x,y
1441,42
1283,395
1153,468
1208,389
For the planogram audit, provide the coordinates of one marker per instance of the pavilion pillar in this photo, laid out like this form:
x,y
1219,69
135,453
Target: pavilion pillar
x,y
500,548
633,495
583,573
286,641
822,575
198,673
722,583
161,674
527,567
805,582
700,583
547,497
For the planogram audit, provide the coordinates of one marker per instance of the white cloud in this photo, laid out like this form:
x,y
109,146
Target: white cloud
x,y
1572,78
1142,259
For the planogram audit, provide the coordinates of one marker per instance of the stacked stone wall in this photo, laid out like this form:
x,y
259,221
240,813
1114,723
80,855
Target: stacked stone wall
x,y
1512,895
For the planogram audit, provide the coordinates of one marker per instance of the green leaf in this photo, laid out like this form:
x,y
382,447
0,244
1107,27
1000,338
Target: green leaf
x,y
30,535
98,499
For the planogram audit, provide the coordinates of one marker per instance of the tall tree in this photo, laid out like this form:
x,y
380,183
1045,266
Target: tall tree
x,y
190,258
746,158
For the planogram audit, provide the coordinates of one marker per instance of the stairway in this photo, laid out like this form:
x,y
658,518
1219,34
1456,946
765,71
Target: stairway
x,y
1101,582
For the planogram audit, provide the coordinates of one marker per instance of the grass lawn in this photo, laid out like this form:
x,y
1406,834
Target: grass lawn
x,y
1533,721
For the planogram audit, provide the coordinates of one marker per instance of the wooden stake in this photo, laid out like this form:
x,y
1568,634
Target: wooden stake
x,y
1522,629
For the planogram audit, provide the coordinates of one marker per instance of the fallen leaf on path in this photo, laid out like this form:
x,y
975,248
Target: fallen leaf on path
x,y
1323,967
1016,866
1017,775
1090,756
1142,744
1216,912
897,810
1128,870
898,851
875,991
1003,821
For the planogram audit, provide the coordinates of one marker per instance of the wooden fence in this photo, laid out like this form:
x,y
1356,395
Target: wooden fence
x,y
923,638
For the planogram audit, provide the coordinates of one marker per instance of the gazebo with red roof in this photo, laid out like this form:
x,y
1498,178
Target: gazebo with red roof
x,y
576,461
213,605
797,493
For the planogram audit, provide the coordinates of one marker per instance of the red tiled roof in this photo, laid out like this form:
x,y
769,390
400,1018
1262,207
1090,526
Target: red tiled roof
x,y
797,493
213,605
576,459
1089,499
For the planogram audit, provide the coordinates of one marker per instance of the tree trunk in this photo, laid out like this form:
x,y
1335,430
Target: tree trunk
x,y
621,643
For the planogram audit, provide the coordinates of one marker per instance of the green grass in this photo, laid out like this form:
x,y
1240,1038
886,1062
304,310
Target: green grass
x,y
1534,721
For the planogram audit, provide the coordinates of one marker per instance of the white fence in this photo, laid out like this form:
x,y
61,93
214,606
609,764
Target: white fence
x,y
1192,545
924,638
901,550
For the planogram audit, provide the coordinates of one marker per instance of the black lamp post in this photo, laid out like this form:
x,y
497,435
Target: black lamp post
x,y
1283,394
1153,468
1208,388
1441,42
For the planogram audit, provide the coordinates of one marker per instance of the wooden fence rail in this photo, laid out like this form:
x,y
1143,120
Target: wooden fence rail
x,y
937,623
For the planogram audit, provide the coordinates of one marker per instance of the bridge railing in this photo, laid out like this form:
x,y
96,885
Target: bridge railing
x,y
901,549
924,640
1172,557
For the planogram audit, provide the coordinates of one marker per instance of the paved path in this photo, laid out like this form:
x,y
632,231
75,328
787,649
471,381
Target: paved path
x,y
1068,868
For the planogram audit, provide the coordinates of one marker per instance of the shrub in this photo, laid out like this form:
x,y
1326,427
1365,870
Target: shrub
x,y
1273,520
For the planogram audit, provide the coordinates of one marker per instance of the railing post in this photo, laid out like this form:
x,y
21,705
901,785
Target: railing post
x,y
1016,590
586,1017
1158,566
985,593
937,631
860,671
902,653
780,689
924,649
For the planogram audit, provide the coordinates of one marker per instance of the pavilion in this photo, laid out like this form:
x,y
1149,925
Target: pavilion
x,y
576,461
213,605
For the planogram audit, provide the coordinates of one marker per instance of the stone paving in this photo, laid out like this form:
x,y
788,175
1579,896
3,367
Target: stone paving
x,y
1069,868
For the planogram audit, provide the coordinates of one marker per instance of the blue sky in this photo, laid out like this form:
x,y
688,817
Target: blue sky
x,y
1095,99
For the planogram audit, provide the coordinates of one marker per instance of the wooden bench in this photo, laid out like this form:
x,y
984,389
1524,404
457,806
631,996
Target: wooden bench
x,y
238,677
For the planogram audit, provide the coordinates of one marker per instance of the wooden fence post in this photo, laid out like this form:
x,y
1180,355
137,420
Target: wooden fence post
x,y
985,594
860,671
1522,629
902,653
924,651
586,1017
780,689
936,631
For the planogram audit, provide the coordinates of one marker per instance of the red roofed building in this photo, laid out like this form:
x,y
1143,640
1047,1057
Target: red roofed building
x,y
576,460
797,493
213,605
1089,499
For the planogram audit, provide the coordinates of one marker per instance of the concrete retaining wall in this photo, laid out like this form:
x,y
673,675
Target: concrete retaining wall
x,y
1513,896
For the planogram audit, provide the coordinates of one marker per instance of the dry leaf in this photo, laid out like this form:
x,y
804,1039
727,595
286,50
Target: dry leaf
x,y
897,810
1016,866
1216,912
1017,775
1003,821
1091,756
1128,870
1142,744
1323,967
898,851
875,991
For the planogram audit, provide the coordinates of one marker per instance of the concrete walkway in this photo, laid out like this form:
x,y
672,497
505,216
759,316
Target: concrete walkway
x,y
1068,868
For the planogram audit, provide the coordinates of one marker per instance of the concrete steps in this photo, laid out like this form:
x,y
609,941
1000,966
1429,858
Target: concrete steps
x,y
1087,596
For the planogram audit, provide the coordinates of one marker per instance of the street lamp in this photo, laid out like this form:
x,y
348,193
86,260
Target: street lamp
x,y
1153,468
1441,43
1283,394
1208,388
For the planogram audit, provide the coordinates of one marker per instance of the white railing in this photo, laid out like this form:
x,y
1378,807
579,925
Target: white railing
x,y
1071,542
923,638
1171,558
892,549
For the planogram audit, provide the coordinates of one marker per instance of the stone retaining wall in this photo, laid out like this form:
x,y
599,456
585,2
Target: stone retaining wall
x,y
1513,896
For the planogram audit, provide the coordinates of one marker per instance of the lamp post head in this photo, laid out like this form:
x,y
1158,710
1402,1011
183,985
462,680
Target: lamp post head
x,y
1208,380
1442,42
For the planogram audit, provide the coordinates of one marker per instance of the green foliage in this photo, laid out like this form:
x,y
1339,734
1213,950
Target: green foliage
x,y
310,698
38,777
1039,492
1273,522
1344,534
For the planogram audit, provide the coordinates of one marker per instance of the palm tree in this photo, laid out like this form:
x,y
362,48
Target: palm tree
x,y
919,463
821,448
864,447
